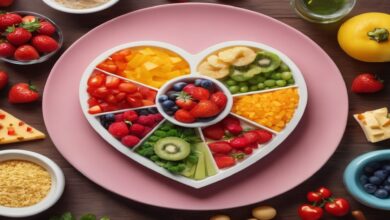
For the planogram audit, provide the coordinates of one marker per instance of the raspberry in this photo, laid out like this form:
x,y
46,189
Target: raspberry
x,y
146,120
158,117
137,129
130,115
118,129
146,131
130,140
119,117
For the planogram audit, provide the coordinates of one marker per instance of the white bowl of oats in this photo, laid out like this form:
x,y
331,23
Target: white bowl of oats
x,y
30,183
80,6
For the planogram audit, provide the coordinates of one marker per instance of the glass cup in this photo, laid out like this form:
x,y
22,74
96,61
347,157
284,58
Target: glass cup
x,y
322,11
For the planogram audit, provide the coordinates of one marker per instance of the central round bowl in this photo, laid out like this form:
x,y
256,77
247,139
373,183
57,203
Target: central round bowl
x,y
191,78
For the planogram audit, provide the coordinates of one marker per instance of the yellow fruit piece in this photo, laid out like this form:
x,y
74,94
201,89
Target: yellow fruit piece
x,y
154,66
272,109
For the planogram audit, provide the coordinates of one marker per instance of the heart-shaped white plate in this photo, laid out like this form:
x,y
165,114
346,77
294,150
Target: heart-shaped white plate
x,y
194,61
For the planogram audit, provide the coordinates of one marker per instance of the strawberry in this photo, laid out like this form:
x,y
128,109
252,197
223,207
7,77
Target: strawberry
x,y
95,109
219,98
239,142
130,116
46,28
184,116
18,36
6,3
6,49
234,129
189,88
224,161
222,147
184,101
145,120
263,136
3,79
26,53
23,93
44,44
118,129
130,140
214,132
230,120
119,117
248,150
9,19
29,19
367,83
251,136
137,130
199,93
205,109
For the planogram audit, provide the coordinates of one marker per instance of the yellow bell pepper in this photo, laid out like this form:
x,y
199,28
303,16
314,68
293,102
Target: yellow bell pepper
x,y
365,37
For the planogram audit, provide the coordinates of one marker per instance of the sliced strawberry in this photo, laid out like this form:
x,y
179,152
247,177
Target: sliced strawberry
x,y
214,132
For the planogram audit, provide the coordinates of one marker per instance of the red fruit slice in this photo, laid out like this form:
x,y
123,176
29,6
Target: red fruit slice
x,y
251,136
234,129
222,147
224,161
214,132
239,142
263,136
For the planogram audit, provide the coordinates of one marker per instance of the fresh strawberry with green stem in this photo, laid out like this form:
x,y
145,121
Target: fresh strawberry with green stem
x,y
18,35
214,132
46,28
189,88
230,120
367,83
9,19
263,136
239,142
23,93
6,3
26,53
205,109
6,49
184,101
219,98
251,136
224,161
184,116
44,44
199,93
29,19
234,129
222,147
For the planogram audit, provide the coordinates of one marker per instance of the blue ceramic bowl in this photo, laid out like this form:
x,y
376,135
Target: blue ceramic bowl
x,y
353,172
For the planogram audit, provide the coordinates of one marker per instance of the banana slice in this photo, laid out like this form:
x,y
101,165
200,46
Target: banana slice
x,y
228,55
245,56
214,61
217,73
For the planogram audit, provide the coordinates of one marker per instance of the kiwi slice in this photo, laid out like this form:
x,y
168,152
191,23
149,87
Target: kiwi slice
x,y
241,76
268,61
172,148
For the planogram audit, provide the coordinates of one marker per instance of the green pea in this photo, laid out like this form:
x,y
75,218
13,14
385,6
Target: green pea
x,y
260,79
231,82
253,81
283,67
234,89
260,86
276,76
269,83
291,81
242,84
267,75
281,82
244,89
286,75
254,88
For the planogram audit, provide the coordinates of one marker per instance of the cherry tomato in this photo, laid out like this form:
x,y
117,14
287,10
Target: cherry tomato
x,y
128,87
112,82
314,197
309,212
325,192
337,207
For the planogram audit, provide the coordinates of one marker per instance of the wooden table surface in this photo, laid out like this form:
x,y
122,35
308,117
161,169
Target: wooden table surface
x,y
81,195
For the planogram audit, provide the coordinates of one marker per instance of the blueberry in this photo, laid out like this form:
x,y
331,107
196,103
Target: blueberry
x,y
198,82
174,108
381,174
172,95
370,168
206,119
152,110
168,104
375,180
179,86
363,179
169,112
387,181
107,119
381,193
370,188
386,167
143,112
162,98
207,84
387,188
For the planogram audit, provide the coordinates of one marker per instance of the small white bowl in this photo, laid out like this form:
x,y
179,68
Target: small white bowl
x,y
62,8
57,183
191,78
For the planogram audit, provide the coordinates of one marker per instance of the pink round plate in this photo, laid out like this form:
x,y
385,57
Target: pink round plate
x,y
195,27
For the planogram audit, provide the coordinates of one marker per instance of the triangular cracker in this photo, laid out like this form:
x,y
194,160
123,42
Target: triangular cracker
x,y
14,130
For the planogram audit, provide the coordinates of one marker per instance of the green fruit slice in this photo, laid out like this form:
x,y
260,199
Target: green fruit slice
x,y
241,76
172,148
267,61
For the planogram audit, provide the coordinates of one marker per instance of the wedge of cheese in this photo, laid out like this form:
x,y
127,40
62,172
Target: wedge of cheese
x,y
375,124
14,130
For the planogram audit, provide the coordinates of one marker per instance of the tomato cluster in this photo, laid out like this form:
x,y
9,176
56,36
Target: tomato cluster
x,y
110,93
322,199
